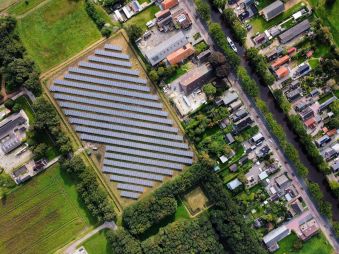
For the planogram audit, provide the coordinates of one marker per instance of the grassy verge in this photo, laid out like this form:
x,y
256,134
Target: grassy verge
x,y
42,215
24,6
57,31
143,17
98,244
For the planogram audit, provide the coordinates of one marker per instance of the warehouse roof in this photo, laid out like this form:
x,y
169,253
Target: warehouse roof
x,y
294,31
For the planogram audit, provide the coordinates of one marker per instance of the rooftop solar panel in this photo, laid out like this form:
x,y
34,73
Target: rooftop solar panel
x,y
109,61
107,82
113,47
107,75
130,187
124,136
146,154
107,97
111,54
109,68
114,156
137,174
106,89
111,141
112,112
128,194
137,181
115,127
122,121
134,166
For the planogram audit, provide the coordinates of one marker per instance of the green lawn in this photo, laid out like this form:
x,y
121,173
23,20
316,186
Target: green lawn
x,y
329,15
26,106
316,245
5,4
260,24
179,72
42,215
57,31
98,244
143,17
23,6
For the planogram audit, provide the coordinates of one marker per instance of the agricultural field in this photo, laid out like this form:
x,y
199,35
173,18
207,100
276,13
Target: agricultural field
x,y
56,31
98,244
23,6
42,215
6,3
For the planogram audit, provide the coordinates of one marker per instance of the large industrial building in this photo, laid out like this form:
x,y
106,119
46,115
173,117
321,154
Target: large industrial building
x,y
108,103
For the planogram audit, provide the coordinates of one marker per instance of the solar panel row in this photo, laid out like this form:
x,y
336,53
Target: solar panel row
x,y
132,173
128,194
105,89
83,129
140,153
108,97
114,127
111,54
110,141
121,157
107,82
109,68
130,187
136,181
122,121
139,167
113,47
109,61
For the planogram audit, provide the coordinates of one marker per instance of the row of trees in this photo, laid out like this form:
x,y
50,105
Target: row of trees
x,y
93,196
234,23
97,19
162,72
17,68
247,83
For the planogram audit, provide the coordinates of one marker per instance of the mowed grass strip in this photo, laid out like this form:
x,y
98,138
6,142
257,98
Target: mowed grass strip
x,y
42,215
98,244
56,31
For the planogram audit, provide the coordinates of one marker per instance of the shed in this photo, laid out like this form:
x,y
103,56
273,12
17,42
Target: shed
x,y
273,10
232,185
229,138
233,168
295,31
168,4
229,97
282,180
272,238
282,72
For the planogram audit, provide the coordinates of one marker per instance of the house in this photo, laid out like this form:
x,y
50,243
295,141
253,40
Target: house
x,y
307,113
291,51
273,10
325,104
295,31
232,185
168,4
258,138
272,238
310,123
196,78
294,94
280,61
20,175
281,72
314,92
322,140
335,166
243,160
302,69
282,181
181,54
240,114
330,154
301,106
235,105
263,175
230,97
297,207
182,18
163,18
308,227
162,50
229,138
263,152
261,38
223,159
203,56
244,124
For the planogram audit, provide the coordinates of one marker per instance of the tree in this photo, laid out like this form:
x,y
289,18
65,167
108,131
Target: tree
x,y
203,9
222,71
106,31
40,151
123,243
219,3
9,104
134,32
33,83
210,90
217,58
154,76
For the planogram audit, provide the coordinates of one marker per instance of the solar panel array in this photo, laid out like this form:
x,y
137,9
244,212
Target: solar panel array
x,y
108,103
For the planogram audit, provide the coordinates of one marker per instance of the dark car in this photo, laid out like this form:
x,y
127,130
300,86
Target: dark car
x,y
230,2
244,15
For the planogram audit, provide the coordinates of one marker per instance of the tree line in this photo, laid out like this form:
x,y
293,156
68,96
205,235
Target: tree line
x,y
97,19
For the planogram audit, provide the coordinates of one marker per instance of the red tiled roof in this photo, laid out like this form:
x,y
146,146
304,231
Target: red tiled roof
x,y
168,4
181,54
280,61
281,72
310,122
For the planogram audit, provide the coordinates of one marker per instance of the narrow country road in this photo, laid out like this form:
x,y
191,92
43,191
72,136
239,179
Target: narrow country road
x,y
73,246
299,183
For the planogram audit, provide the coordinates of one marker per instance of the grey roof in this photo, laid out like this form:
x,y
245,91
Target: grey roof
x,y
276,235
20,171
10,144
10,123
294,31
281,180
327,103
230,97
229,138
161,51
234,184
273,10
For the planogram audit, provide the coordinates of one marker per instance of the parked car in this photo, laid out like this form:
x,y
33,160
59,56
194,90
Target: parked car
x,y
230,2
232,44
248,27
244,15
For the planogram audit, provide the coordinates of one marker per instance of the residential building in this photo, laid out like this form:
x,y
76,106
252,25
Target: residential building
x,y
182,18
295,31
335,166
244,124
196,78
203,56
310,123
235,105
181,54
281,72
322,140
280,61
308,227
229,97
272,238
307,113
229,138
325,104
273,10
161,51
168,4
258,138
294,94
240,114
282,181
232,185
163,18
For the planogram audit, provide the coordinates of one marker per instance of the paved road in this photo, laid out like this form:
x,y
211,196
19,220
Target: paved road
x,y
73,246
298,182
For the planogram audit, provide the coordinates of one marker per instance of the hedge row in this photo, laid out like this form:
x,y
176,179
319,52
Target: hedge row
x,y
233,22
97,19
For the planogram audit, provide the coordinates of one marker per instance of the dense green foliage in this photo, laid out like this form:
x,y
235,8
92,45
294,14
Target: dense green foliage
x,y
18,69
162,72
97,19
203,9
259,64
324,206
192,236
233,22
95,199
123,242
134,31
247,83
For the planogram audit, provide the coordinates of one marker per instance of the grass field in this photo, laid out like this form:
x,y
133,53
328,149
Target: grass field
x,y
23,6
42,215
143,17
98,244
329,15
315,245
56,31
6,3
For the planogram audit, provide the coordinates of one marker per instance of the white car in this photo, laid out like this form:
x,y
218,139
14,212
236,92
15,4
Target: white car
x,y
232,44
